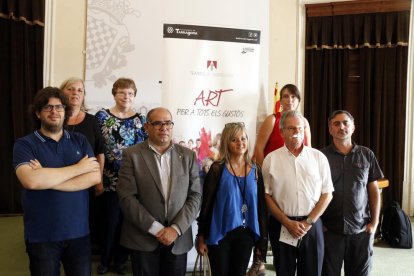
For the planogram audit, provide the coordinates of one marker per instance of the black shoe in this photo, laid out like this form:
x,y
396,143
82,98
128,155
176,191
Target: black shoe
x,y
121,269
102,269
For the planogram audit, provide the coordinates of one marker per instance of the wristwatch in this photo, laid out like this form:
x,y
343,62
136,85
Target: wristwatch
x,y
309,221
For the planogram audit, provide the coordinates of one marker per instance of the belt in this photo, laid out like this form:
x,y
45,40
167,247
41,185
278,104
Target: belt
x,y
298,218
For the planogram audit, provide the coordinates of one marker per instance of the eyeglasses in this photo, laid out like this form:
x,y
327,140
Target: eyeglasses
x,y
159,124
294,129
241,124
58,107
126,94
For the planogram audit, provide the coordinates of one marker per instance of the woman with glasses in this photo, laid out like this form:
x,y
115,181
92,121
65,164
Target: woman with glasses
x,y
269,139
233,216
121,128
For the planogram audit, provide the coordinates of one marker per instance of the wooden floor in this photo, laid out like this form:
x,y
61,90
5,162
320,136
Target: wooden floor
x,y
14,262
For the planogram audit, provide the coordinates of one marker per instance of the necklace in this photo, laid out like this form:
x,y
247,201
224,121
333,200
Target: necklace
x,y
243,193
74,123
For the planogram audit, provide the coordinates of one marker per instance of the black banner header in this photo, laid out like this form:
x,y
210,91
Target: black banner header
x,y
211,33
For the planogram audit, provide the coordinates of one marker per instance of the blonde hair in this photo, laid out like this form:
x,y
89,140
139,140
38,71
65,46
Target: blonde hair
x,y
229,131
70,81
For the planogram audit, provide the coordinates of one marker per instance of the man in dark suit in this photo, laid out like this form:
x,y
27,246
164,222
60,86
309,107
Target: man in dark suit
x,y
160,196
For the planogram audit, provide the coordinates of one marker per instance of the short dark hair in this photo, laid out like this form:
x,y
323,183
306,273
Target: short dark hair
x,y
42,98
292,89
336,112
124,83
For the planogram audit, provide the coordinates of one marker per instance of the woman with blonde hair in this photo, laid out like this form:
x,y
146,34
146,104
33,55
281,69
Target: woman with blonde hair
x,y
85,123
233,216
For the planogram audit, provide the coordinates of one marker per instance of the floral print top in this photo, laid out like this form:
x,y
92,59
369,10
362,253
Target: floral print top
x,y
118,134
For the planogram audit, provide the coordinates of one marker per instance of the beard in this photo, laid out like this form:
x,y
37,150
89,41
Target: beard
x,y
52,128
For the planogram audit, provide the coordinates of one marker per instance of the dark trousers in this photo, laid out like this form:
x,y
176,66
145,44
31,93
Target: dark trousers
x,y
95,221
111,249
355,251
307,259
160,262
75,255
231,256
274,226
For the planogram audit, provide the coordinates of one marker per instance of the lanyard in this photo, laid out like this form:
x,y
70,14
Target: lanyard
x,y
243,193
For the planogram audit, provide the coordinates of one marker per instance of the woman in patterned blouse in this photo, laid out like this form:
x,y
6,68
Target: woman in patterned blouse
x,y
121,127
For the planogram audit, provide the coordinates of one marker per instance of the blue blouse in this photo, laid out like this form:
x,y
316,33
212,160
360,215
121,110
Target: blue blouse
x,y
227,214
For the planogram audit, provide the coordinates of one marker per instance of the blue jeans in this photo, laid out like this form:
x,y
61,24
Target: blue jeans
x,y
75,255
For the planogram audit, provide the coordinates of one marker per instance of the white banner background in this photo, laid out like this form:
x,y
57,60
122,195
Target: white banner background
x,y
209,83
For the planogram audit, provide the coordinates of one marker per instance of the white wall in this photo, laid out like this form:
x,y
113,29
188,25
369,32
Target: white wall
x,y
283,45
65,55
408,184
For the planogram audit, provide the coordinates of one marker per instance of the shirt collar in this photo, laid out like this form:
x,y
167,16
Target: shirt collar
x,y
151,147
335,150
43,137
300,153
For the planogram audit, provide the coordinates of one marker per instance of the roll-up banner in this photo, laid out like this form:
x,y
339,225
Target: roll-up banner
x,y
210,78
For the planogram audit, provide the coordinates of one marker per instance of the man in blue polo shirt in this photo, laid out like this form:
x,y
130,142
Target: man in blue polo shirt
x,y
55,168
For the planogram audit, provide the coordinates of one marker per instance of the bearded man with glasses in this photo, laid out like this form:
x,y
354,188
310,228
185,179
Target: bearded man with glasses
x,y
160,196
55,168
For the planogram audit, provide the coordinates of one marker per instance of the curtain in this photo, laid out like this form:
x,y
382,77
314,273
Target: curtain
x,y
325,86
383,98
380,41
21,76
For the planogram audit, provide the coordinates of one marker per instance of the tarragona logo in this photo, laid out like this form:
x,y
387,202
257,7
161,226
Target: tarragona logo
x,y
212,65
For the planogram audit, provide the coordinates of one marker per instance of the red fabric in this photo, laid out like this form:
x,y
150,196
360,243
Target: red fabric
x,y
275,140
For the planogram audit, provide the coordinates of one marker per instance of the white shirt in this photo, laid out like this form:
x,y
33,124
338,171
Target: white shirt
x,y
296,183
164,168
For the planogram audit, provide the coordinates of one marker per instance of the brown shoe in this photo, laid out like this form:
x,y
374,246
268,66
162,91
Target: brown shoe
x,y
257,268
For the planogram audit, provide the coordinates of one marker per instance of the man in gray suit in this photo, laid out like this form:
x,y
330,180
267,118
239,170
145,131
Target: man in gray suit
x,y
160,196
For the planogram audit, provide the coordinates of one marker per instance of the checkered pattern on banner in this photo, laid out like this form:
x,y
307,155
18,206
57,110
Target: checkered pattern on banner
x,y
100,37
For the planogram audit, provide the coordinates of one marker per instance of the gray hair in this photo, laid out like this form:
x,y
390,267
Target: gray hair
x,y
290,113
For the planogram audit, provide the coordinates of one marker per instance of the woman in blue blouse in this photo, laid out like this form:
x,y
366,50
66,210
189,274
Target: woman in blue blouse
x,y
121,127
233,213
